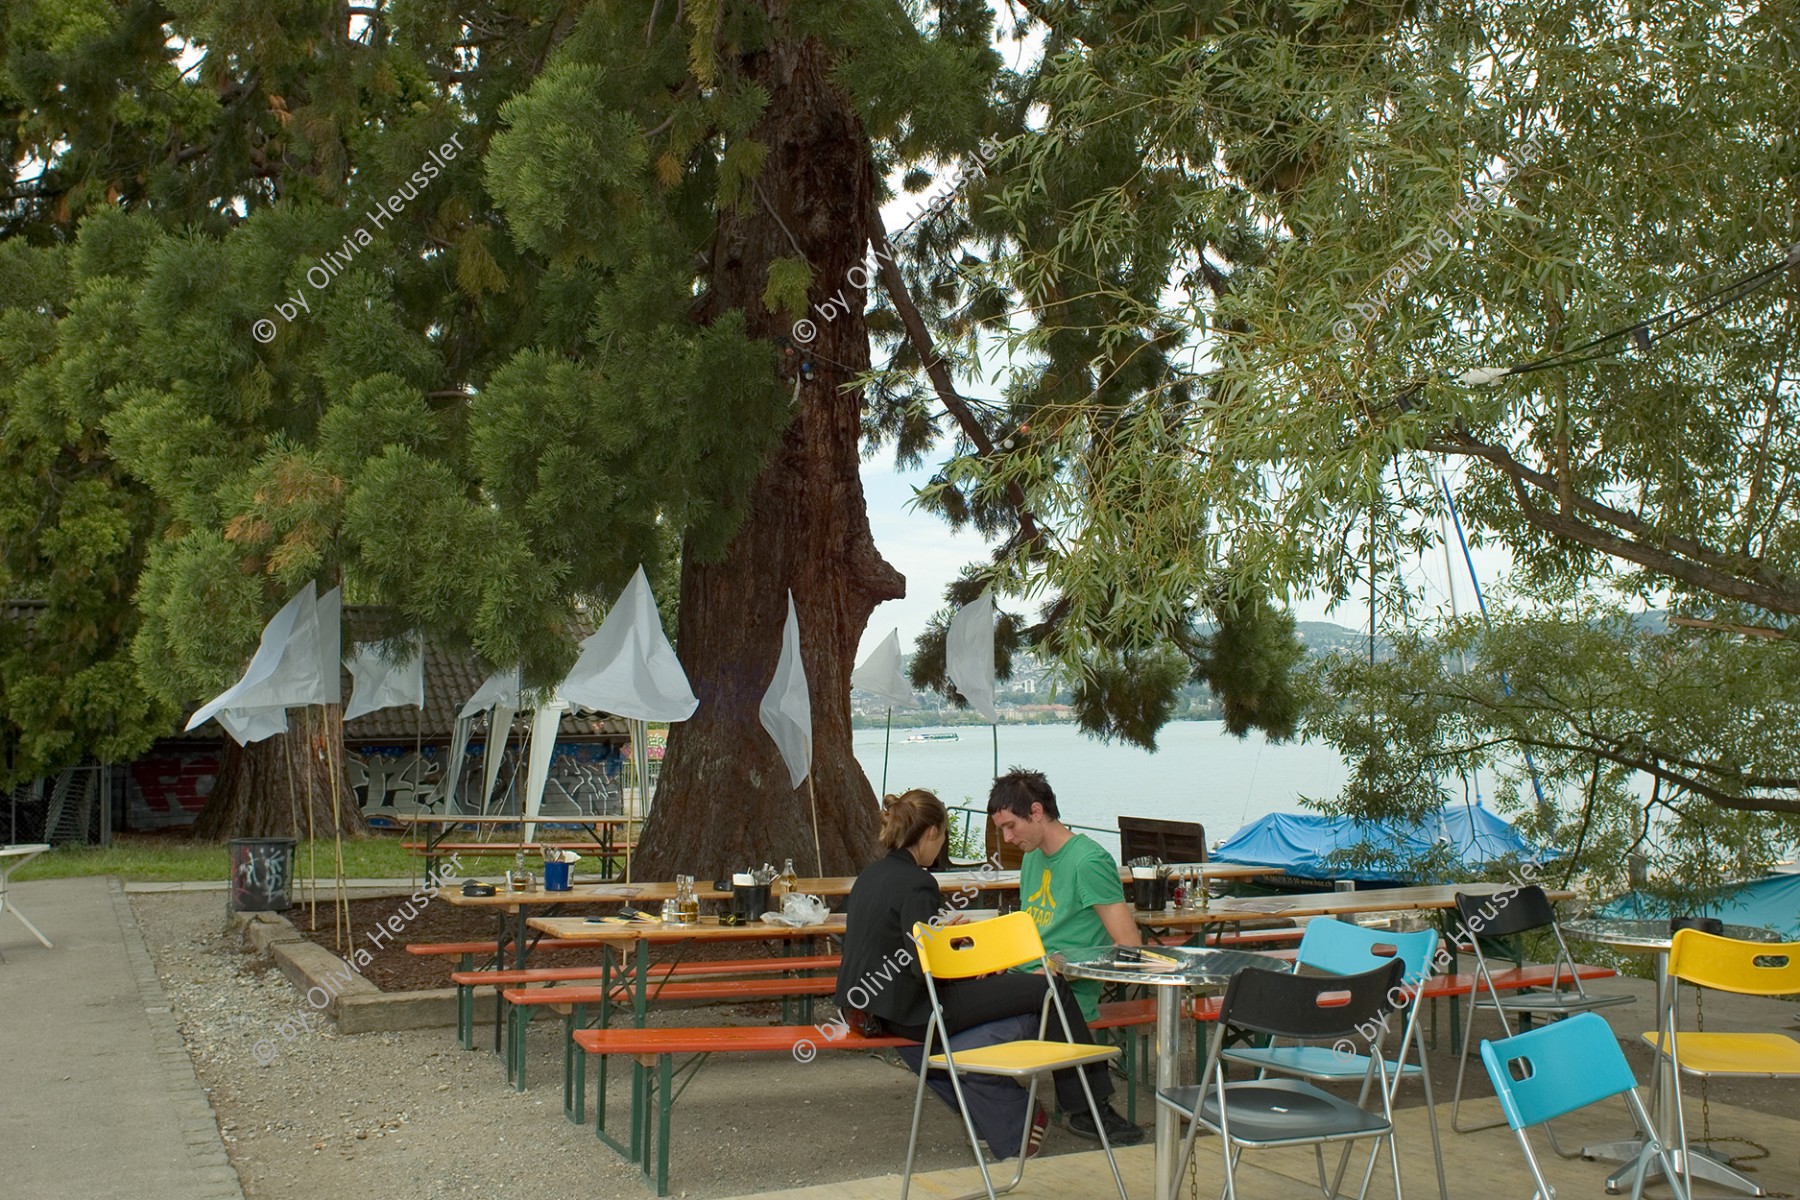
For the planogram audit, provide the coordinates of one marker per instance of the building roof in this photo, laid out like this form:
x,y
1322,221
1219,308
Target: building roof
x,y
450,679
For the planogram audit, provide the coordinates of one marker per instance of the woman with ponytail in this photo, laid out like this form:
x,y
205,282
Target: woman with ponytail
x,y
881,988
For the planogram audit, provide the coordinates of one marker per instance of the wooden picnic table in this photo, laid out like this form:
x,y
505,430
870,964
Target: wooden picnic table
x,y
634,940
519,906
1235,909
600,830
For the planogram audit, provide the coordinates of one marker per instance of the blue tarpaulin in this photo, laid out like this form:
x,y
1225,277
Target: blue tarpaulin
x,y
1772,903
1300,844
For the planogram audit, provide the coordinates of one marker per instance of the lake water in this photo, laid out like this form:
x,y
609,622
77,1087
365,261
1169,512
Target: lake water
x,y
1198,772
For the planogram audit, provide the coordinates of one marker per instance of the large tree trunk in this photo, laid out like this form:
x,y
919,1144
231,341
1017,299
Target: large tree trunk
x,y
723,800
265,788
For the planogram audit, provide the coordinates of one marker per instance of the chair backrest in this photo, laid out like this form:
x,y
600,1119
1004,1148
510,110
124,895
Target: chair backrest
x,y
978,948
1166,841
1556,1069
999,850
1309,1006
1750,968
1345,949
1506,912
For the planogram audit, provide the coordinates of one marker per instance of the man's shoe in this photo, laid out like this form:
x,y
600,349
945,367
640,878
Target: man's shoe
x,y
1119,1131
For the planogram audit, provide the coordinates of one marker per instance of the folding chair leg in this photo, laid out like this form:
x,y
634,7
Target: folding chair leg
x,y
1462,1067
962,1106
1100,1128
1648,1129
1544,1191
912,1142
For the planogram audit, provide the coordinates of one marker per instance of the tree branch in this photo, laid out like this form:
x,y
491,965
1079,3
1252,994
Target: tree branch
x,y
939,374
1677,557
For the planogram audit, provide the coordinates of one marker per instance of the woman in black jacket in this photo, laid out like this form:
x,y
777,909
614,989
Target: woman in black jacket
x,y
881,986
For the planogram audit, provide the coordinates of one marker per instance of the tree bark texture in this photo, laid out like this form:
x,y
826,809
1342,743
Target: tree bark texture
x,y
265,788
723,801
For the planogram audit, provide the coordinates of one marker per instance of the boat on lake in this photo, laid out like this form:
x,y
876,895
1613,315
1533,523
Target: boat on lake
x,y
933,737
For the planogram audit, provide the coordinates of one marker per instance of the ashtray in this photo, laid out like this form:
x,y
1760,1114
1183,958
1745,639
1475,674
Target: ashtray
x,y
471,888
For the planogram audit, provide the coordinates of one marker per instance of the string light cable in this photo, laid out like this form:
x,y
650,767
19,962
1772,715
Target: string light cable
x,y
1643,334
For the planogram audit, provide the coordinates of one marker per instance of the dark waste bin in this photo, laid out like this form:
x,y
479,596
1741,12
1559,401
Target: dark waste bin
x,y
262,874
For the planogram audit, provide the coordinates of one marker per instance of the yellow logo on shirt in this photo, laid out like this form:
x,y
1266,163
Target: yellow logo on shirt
x,y
1041,904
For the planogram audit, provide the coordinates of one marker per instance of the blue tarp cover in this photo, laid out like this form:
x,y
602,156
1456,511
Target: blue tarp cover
x,y
1772,903
1300,843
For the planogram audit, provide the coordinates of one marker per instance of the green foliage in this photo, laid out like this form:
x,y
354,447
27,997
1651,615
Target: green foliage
x,y
478,422
1603,737
790,280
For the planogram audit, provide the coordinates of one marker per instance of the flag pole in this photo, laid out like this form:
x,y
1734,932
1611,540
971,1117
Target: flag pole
x,y
996,728
886,743
813,790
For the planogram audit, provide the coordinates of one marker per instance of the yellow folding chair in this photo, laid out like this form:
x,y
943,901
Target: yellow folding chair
x,y
983,948
1726,965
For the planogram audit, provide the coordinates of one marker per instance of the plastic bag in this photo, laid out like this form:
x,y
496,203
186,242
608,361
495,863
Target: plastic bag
x,y
799,911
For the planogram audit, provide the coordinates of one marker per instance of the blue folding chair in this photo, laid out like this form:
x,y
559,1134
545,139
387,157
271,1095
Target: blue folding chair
x,y
1557,1068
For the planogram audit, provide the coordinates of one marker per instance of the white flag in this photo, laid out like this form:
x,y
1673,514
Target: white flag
x,y
285,672
627,666
502,687
969,654
881,674
786,710
379,682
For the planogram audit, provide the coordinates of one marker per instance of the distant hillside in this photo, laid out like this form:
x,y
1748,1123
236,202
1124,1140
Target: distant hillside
x,y
1323,637
1031,697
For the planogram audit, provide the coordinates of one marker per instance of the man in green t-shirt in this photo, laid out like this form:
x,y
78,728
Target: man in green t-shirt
x,y
1068,883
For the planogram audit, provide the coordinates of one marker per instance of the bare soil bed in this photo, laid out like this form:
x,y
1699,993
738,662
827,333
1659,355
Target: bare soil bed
x,y
392,969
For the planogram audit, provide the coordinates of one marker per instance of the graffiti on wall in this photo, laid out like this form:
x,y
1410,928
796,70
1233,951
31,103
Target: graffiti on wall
x,y
169,786
389,780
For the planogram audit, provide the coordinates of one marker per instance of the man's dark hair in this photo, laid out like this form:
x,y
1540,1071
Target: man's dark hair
x,y
1017,790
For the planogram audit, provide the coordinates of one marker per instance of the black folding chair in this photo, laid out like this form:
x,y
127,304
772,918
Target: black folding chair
x,y
1506,915
1340,1010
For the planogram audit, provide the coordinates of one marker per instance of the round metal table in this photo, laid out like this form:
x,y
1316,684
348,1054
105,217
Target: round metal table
x,y
1697,1162
1196,968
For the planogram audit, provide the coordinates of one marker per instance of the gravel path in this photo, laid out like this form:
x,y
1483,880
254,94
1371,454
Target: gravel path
x,y
410,1116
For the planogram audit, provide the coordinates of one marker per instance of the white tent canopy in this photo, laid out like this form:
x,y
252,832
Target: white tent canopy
x,y
544,723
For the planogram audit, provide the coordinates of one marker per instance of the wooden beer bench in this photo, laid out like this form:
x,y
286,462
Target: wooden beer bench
x,y
661,1082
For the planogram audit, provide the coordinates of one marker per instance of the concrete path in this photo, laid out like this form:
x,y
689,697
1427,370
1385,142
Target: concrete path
x,y
98,1097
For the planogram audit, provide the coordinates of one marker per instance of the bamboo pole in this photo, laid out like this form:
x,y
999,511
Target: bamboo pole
x,y
813,790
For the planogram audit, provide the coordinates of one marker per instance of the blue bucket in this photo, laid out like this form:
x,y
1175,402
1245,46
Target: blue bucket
x,y
556,876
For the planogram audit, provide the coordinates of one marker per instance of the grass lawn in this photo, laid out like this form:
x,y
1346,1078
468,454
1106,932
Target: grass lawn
x,y
148,858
